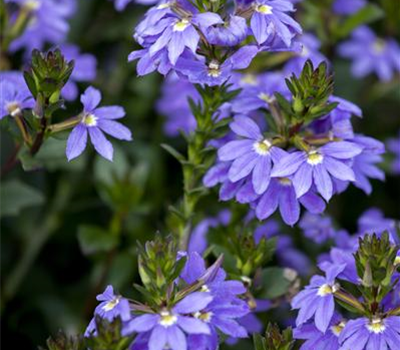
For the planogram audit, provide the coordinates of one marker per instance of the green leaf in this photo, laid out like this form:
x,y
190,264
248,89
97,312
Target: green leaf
x,y
275,283
259,343
173,152
367,14
93,239
16,195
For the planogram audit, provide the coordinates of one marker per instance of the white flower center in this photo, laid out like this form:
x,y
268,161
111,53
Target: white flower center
x,y
111,304
397,261
246,280
32,5
376,325
205,288
264,9
337,329
249,79
262,147
327,289
13,108
285,181
204,316
305,52
181,25
265,97
89,120
214,69
167,319
164,6
314,158
378,46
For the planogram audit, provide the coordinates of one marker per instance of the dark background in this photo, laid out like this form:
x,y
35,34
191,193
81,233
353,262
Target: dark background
x,y
48,279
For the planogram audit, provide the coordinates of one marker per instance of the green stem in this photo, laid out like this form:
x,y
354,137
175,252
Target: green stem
x,y
342,295
37,239
395,312
194,167
18,27
65,125
19,120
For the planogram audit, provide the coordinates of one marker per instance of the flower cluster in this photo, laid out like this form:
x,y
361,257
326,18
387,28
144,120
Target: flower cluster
x,y
204,45
354,260
194,320
255,169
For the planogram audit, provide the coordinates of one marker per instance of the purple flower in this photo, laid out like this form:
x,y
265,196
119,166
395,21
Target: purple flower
x,y
258,92
287,254
374,221
375,333
310,51
393,146
111,306
346,7
174,105
281,194
193,322
216,73
371,54
224,309
14,94
198,239
84,70
317,227
180,33
317,299
48,23
149,63
317,340
318,166
95,121
168,327
121,4
342,257
364,165
230,33
338,122
254,154
269,19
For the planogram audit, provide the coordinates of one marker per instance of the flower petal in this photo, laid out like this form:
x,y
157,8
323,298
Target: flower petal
x,y
90,98
246,127
109,112
100,143
193,302
242,166
342,149
158,338
193,325
115,129
288,164
235,149
76,143
338,169
302,180
323,182
142,323
176,339
262,174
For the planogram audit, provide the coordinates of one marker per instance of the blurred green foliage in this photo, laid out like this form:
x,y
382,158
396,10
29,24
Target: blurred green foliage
x,y
68,229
